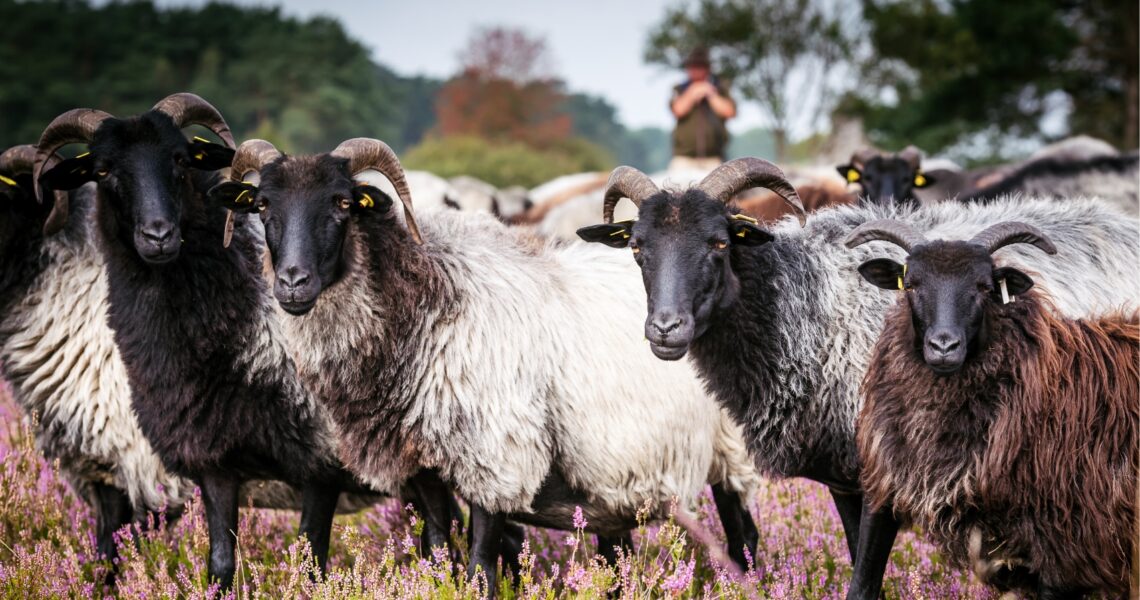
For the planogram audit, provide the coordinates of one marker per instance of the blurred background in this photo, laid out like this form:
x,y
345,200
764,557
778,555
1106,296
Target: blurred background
x,y
517,92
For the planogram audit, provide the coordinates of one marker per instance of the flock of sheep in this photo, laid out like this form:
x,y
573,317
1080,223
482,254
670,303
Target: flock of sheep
x,y
277,330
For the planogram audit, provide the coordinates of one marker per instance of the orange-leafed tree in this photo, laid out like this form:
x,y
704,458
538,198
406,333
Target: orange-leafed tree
x,y
505,91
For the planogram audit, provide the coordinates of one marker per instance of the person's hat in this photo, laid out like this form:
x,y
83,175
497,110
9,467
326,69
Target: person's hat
x,y
699,57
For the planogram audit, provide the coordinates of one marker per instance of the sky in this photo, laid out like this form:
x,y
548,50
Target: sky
x,y
596,45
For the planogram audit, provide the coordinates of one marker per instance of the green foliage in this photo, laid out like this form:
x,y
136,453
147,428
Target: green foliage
x,y
758,142
506,163
975,66
595,119
303,84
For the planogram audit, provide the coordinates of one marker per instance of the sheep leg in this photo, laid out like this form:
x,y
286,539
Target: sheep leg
x,y
877,530
432,499
486,543
739,528
607,546
220,497
318,506
114,511
850,507
513,536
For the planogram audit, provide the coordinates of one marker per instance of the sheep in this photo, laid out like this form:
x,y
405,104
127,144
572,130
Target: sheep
x,y
211,384
1111,178
66,373
1006,431
774,323
501,363
887,177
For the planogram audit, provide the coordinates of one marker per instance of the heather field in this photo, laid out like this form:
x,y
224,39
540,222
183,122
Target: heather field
x,y
47,551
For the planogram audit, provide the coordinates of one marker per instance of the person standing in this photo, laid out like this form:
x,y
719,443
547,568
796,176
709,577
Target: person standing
x,y
701,105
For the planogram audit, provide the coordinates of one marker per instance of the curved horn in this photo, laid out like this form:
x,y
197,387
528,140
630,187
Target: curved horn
x,y
860,157
890,230
190,109
18,159
22,159
626,182
251,156
367,153
912,155
76,125
740,174
1012,232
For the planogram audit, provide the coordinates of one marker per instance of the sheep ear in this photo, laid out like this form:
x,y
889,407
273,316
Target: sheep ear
x,y
922,180
614,235
1016,282
367,197
849,173
237,196
208,156
882,272
70,173
744,231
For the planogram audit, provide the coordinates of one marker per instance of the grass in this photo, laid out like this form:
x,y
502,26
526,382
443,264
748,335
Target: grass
x,y
47,550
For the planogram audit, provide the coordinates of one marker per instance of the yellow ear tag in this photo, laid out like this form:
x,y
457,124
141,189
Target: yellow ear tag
x,y
7,181
82,155
745,218
203,140
901,287
919,180
200,156
852,175
1005,297
243,194
618,232
366,201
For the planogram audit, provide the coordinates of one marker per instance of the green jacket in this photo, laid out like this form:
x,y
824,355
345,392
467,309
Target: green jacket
x,y
701,133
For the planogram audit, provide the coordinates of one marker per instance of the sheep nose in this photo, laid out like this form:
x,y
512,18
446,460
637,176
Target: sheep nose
x,y
158,231
944,343
665,323
293,277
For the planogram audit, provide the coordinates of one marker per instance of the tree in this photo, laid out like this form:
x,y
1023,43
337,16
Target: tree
x,y
954,70
788,55
504,92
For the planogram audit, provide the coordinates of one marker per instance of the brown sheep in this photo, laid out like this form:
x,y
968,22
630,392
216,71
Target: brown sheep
x,y
1008,433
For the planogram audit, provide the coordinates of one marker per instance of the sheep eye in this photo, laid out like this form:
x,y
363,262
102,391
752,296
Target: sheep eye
x,y
634,248
344,203
102,173
262,204
719,244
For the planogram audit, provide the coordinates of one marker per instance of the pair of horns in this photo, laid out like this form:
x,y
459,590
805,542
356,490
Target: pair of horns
x,y
79,126
723,183
991,238
18,160
362,154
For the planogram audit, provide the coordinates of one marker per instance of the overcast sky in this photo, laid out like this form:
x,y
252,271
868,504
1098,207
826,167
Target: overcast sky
x,y
597,45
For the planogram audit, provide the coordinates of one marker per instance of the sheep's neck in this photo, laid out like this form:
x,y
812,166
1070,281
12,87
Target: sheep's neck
x,y
356,349
763,358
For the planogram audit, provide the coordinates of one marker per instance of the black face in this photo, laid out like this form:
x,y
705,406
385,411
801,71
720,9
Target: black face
x,y
305,204
887,179
143,165
948,286
684,248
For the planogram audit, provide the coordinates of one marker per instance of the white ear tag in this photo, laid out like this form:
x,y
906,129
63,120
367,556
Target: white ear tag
x,y
1005,297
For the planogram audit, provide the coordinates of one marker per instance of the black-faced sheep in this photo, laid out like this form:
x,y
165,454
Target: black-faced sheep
x,y
508,366
1007,432
776,324
211,383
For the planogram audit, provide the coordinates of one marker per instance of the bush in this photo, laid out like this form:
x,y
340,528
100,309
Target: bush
x,y
505,164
